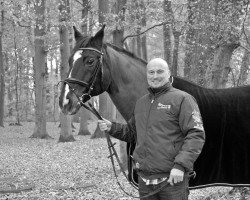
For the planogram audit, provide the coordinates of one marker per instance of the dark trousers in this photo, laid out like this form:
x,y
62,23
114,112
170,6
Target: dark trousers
x,y
177,192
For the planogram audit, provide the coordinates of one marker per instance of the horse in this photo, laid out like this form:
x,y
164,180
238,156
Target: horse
x,y
97,67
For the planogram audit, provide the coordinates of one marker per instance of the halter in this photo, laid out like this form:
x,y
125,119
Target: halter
x,y
89,86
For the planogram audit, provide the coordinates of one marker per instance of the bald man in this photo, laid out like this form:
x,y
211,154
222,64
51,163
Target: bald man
x,y
169,135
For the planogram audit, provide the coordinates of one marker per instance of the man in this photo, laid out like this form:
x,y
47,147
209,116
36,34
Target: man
x,y
169,135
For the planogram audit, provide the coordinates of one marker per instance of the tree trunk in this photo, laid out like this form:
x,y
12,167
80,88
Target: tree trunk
x,y
56,93
144,36
118,35
103,98
189,40
39,68
119,10
102,11
85,115
66,128
2,84
16,80
65,121
199,44
221,65
244,69
167,33
138,29
133,45
85,11
174,67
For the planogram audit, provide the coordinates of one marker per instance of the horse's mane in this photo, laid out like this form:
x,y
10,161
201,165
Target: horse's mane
x,y
122,50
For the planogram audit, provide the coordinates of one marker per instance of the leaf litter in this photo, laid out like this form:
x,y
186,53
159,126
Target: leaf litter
x,y
72,170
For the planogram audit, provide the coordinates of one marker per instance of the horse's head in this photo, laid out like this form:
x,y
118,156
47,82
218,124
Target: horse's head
x,y
86,74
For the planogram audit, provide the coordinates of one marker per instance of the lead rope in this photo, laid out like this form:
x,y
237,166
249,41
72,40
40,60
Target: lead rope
x,y
113,152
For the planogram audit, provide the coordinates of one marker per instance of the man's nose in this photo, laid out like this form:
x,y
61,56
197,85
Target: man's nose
x,y
155,75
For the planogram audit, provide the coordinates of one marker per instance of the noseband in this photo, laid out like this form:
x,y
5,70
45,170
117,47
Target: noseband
x,y
89,86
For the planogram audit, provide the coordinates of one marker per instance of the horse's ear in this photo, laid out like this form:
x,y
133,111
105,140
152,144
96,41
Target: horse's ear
x,y
98,38
77,34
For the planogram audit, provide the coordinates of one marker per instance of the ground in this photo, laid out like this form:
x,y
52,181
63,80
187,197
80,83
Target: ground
x,y
74,170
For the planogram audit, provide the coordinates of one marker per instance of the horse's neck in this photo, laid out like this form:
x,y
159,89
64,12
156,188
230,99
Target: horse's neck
x,y
128,83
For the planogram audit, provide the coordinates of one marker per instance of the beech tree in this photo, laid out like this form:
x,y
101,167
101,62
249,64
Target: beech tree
x,y
167,31
103,98
39,69
2,84
118,35
85,114
64,15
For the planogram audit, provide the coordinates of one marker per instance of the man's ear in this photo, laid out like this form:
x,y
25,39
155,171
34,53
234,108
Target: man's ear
x,y
77,34
98,38
171,79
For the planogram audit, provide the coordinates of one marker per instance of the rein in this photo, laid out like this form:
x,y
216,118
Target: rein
x,y
113,152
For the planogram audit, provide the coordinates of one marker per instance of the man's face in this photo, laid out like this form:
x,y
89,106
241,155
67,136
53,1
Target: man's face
x,y
157,74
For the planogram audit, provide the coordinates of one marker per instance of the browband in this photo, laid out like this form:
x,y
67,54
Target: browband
x,y
92,49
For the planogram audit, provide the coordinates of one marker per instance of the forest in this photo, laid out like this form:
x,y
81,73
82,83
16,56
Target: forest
x,y
206,42
203,41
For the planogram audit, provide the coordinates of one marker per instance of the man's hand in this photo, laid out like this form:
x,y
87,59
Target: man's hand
x,y
104,125
176,176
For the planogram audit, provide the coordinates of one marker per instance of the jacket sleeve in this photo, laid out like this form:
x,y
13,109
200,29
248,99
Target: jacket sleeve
x,y
191,126
124,132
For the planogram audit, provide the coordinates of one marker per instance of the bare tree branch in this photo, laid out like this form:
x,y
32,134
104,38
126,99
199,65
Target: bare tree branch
x,y
79,2
128,36
245,48
19,24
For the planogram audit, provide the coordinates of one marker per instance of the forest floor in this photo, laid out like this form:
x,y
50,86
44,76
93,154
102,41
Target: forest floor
x,y
73,170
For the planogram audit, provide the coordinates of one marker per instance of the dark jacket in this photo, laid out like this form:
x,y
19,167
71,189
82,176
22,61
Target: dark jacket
x,y
168,130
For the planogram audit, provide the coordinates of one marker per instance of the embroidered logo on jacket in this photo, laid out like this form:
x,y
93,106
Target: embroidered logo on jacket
x,y
162,106
197,119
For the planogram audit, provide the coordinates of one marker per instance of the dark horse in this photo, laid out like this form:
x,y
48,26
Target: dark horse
x,y
97,67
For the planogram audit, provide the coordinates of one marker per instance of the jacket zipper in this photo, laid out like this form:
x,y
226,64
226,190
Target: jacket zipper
x,y
152,101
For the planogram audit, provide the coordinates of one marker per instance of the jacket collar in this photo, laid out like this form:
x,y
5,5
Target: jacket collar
x,y
158,91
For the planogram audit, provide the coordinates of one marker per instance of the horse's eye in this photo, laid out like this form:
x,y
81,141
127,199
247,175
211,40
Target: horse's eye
x,y
90,61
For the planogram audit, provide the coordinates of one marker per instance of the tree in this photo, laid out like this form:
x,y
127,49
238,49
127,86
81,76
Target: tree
x,y
2,84
221,66
190,38
227,40
16,77
144,36
64,13
243,69
103,98
118,35
39,68
85,114
167,32
118,32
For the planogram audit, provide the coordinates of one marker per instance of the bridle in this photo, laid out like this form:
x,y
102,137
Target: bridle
x,y
89,86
